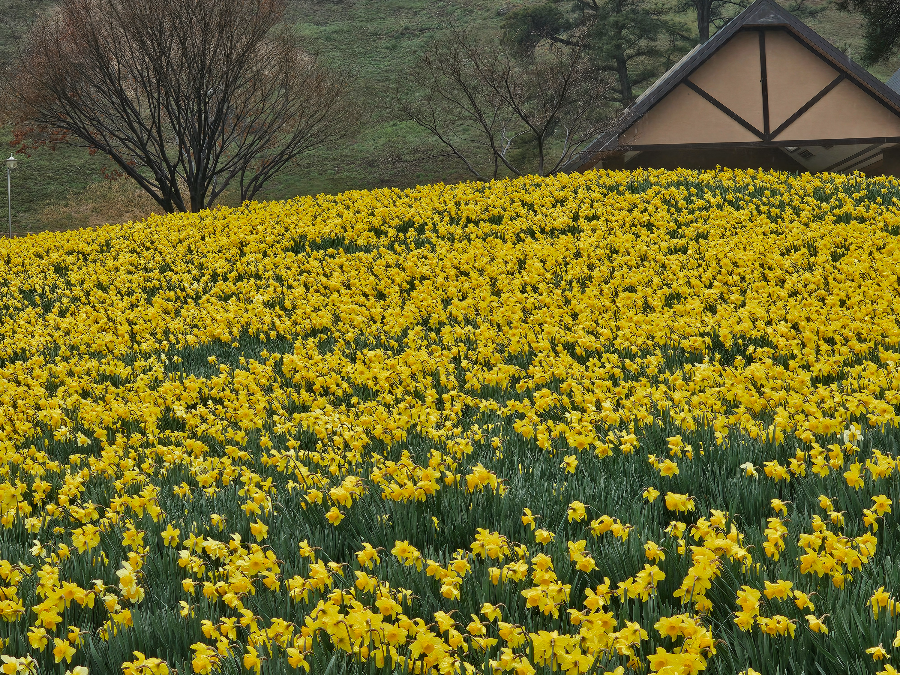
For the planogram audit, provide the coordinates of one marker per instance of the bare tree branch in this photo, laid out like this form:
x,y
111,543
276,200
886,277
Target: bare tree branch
x,y
179,94
493,109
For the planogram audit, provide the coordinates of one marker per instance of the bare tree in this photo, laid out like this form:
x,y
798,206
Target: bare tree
x,y
498,113
182,95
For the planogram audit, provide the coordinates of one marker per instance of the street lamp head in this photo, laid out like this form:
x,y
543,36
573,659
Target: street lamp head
x,y
11,162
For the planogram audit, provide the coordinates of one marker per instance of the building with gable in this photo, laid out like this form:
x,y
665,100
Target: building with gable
x,y
766,91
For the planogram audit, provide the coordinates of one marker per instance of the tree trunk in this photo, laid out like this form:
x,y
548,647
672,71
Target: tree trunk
x,y
198,201
624,80
704,10
539,146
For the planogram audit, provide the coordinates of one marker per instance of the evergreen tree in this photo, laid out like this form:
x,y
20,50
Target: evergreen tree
x,y
882,32
710,13
716,13
631,39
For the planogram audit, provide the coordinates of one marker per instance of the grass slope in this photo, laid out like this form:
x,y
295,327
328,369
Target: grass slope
x,y
375,42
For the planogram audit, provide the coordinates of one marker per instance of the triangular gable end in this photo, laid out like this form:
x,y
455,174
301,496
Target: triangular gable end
x,y
724,101
712,105
765,80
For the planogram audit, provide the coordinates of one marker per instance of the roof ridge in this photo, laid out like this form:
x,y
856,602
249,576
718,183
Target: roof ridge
x,y
757,11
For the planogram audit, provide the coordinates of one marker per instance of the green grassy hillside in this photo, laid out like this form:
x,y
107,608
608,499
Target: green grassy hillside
x,y
375,41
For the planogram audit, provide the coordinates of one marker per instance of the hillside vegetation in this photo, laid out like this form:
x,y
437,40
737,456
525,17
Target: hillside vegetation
x,y
376,42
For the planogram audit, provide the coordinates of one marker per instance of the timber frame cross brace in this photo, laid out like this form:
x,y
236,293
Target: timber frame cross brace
x,y
766,134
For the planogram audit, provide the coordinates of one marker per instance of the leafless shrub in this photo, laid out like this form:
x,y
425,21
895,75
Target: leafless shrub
x,y
499,113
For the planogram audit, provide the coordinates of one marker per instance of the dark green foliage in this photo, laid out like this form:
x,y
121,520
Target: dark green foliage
x,y
882,31
632,40
526,27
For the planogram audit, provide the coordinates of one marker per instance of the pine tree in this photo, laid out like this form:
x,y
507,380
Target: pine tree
x,y
631,39
882,31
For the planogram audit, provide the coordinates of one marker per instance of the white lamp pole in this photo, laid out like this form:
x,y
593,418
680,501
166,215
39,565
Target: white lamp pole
x,y
10,165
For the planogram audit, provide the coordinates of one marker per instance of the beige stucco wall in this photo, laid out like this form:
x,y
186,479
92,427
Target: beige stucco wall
x,y
795,75
845,112
732,77
685,117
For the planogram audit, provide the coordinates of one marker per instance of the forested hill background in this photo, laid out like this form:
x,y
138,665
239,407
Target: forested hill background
x,y
375,40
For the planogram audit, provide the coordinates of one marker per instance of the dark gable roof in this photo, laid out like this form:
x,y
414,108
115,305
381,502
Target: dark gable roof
x,y
761,14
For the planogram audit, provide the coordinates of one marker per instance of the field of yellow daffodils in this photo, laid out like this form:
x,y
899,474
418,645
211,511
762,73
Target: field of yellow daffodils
x,y
618,422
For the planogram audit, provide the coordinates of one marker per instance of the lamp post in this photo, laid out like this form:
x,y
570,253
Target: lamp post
x,y
10,165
